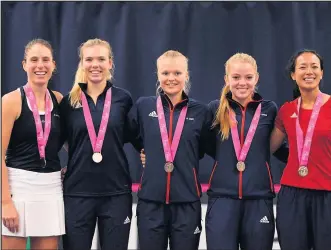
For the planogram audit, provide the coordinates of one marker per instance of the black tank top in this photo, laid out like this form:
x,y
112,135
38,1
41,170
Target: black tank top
x,y
22,152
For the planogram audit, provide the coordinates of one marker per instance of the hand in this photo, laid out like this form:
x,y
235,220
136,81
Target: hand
x,y
63,172
143,157
10,218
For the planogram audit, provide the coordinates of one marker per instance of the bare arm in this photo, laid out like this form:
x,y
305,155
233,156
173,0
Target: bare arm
x,y
11,109
58,96
143,157
276,140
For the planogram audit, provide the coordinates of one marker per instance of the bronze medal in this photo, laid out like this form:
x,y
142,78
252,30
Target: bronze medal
x,y
303,171
169,167
241,166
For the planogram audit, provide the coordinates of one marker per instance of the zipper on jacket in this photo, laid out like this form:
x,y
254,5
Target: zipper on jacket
x,y
172,109
242,131
270,179
170,142
212,174
141,178
196,182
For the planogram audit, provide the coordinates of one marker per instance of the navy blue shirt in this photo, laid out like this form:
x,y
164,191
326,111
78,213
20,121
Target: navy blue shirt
x,y
256,181
22,151
183,184
111,176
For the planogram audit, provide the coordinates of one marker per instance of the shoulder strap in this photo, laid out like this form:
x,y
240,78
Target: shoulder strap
x,y
54,100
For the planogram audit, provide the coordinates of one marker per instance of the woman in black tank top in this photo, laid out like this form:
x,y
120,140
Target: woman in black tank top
x,y
31,179
22,151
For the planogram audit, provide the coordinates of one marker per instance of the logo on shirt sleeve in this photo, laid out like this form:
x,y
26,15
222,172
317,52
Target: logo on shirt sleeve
x,y
294,115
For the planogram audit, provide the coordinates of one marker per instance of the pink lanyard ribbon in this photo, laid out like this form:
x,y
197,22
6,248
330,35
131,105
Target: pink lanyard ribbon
x,y
97,142
304,149
170,153
42,136
241,153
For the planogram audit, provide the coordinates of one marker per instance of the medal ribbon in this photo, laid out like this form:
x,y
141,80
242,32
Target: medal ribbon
x,y
304,149
97,142
241,153
42,136
170,153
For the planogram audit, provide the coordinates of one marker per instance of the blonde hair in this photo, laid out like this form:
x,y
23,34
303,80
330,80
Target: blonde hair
x,y
222,116
80,76
174,54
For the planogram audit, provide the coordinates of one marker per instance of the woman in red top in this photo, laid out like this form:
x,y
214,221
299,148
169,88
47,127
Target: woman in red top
x,y
304,201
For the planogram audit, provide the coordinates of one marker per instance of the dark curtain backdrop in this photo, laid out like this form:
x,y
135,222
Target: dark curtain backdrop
x,y
208,33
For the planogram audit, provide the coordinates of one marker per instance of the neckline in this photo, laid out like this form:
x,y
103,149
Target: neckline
x,y
40,112
328,100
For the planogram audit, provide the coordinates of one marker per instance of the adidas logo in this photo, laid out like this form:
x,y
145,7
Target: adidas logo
x,y
294,115
153,114
190,118
197,231
264,220
78,105
127,220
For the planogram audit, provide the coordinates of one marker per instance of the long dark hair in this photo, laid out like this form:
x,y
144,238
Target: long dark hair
x,y
291,67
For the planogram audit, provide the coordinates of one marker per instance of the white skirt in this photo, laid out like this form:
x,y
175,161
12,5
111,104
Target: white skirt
x,y
38,198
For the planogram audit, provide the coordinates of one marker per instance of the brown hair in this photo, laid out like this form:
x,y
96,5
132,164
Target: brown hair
x,y
80,76
34,42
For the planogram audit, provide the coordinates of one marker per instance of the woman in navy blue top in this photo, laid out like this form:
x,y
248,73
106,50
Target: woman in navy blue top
x,y
171,126
97,183
241,189
240,208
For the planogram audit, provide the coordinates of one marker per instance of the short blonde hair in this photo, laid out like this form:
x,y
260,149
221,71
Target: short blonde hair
x,y
174,54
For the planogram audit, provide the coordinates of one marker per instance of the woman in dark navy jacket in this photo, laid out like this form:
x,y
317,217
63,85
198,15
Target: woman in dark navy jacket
x,y
241,190
169,193
97,183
